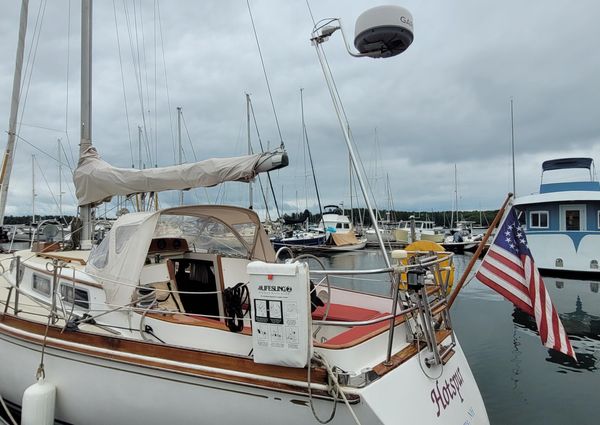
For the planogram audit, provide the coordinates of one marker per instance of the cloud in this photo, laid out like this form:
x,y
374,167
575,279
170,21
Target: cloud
x,y
445,101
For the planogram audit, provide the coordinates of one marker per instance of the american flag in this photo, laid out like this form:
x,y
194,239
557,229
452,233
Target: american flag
x,y
508,269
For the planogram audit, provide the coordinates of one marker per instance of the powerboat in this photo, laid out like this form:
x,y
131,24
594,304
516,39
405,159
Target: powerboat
x,y
562,221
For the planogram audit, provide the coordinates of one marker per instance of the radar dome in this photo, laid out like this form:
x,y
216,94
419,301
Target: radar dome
x,y
383,31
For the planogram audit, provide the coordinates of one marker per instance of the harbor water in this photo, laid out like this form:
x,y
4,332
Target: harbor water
x,y
521,381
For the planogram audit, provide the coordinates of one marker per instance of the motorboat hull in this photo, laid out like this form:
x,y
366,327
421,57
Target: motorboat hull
x,y
557,253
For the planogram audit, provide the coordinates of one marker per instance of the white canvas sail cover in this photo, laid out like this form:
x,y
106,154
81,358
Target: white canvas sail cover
x,y
97,181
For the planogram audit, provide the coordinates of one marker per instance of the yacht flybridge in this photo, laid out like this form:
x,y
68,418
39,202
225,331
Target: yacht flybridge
x,y
186,315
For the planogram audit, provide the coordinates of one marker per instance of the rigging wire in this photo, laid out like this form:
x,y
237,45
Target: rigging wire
x,y
71,166
265,74
70,188
40,150
193,153
145,68
67,85
162,44
137,66
188,136
262,150
155,87
30,63
123,85
305,136
49,188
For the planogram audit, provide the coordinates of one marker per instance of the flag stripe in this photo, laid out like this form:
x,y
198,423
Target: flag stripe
x,y
508,268
510,260
500,271
513,295
522,304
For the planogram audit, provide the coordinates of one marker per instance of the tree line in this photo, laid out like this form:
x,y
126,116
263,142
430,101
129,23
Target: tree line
x,y
441,218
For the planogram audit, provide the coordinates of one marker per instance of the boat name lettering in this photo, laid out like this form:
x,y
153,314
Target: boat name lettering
x,y
449,390
275,288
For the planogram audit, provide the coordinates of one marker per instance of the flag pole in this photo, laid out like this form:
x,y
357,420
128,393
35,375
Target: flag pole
x,y
487,235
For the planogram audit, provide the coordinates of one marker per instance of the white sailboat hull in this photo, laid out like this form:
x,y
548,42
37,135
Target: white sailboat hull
x,y
99,390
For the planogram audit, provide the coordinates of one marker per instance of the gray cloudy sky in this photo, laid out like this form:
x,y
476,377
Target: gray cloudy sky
x,y
445,101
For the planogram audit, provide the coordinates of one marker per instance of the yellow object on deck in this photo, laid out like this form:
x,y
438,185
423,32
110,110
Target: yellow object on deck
x,y
446,266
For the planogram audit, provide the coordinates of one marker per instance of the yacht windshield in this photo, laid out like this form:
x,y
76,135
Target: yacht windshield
x,y
207,234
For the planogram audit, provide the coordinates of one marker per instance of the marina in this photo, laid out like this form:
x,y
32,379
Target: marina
x,y
516,375
187,281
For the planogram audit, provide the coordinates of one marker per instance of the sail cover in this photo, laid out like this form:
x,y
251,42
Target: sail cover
x,y
97,181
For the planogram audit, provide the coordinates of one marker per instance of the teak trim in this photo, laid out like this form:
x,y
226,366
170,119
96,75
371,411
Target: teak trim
x,y
120,345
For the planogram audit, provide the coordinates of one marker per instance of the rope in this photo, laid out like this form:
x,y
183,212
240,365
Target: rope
x,y
335,391
41,373
10,416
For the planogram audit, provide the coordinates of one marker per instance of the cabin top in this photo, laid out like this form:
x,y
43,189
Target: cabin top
x,y
566,163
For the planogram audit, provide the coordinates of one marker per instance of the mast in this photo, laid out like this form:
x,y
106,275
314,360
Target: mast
x,y
139,147
179,143
60,192
14,109
455,199
249,148
512,145
32,189
350,186
86,109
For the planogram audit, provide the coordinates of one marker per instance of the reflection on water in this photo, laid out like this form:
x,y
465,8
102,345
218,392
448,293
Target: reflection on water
x,y
521,381
578,305
378,284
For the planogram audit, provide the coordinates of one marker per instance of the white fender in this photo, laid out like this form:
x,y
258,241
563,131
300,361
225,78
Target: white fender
x,y
38,404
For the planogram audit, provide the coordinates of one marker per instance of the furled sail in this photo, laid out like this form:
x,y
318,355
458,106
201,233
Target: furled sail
x,y
97,181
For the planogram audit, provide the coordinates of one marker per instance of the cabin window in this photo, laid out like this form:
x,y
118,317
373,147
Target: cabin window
x,y
346,225
41,284
247,231
122,235
72,295
538,220
99,256
338,226
598,220
572,220
206,233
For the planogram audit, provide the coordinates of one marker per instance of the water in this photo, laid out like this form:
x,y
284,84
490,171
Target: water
x,y
521,381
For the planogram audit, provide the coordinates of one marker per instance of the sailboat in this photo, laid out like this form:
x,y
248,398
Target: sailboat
x,y
184,315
